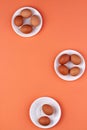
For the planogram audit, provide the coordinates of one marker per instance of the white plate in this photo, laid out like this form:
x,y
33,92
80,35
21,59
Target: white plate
x,y
36,111
27,21
69,65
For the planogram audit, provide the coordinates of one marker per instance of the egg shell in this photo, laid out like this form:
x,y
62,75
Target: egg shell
x,y
47,109
35,20
63,70
26,29
44,120
18,20
26,13
74,71
75,59
64,59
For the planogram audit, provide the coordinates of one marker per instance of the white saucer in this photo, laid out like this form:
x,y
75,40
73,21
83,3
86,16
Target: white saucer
x,y
36,111
69,65
35,30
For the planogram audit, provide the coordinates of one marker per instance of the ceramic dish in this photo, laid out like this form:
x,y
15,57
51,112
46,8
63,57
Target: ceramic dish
x,y
69,65
27,21
36,111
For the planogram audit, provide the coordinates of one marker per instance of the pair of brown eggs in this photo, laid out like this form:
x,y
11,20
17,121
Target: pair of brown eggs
x,y
64,70
24,14
48,110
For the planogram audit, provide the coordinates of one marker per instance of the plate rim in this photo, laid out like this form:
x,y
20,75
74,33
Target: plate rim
x,y
49,98
62,52
26,35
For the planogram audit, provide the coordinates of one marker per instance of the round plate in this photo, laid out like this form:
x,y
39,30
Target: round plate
x,y
36,111
69,65
27,21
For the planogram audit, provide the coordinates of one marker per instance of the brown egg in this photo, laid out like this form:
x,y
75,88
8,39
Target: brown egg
x,y
74,71
26,29
18,21
35,20
44,120
64,59
63,70
47,109
75,59
26,13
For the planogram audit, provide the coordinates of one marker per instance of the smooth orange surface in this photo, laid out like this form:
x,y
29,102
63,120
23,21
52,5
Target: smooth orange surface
x,y
26,64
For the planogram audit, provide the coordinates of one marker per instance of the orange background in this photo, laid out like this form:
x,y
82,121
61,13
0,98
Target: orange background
x,y
26,64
